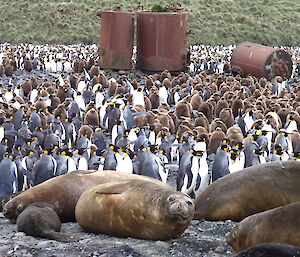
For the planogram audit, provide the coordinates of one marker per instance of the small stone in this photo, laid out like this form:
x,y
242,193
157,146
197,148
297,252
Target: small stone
x,y
3,242
44,244
4,248
122,72
103,255
163,244
16,254
20,234
220,249
28,255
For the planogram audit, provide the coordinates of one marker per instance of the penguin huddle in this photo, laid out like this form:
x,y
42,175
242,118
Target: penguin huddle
x,y
209,124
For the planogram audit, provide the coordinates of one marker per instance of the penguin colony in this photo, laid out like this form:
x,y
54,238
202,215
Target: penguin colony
x,y
207,122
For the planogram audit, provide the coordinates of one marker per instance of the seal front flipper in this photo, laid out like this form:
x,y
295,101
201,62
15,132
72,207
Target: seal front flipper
x,y
59,236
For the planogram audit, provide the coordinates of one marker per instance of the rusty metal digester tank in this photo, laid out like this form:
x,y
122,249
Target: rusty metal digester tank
x,y
162,41
261,61
116,40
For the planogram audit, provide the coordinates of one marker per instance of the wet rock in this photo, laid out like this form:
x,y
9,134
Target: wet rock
x,y
220,249
163,244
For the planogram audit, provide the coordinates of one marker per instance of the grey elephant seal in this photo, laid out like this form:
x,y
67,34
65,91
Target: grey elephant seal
x,y
279,225
248,191
40,220
63,192
134,208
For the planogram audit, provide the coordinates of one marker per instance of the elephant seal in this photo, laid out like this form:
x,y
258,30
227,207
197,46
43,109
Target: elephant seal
x,y
271,249
279,225
134,208
63,192
248,191
40,220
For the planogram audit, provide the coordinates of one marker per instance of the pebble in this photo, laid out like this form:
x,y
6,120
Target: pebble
x,y
163,244
44,244
220,249
20,234
4,248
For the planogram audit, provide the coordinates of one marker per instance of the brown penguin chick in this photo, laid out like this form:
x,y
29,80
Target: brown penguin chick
x,y
34,82
259,114
217,123
182,129
61,93
75,65
235,135
148,105
188,122
94,81
167,83
85,130
165,74
154,99
103,80
294,137
215,140
174,118
164,107
283,113
166,121
82,65
40,104
148,83
237,105
182,109
2,70
60,111
196,101
202,120
28,65
200,131
94,71
14,64
55,101
19,99
120,90
9,69
221,104
51,90
226,117
207,110
91,118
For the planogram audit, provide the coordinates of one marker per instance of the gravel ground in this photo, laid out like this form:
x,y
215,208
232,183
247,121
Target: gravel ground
x,y
202,238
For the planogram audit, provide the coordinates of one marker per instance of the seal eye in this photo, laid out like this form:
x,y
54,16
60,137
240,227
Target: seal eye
x,y
189,203
171,199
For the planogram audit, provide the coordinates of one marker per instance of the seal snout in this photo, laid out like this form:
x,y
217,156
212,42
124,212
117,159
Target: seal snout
x,y
181,207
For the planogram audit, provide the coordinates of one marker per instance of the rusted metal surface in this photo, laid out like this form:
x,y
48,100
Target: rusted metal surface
x,y
116,40
261,61
161,41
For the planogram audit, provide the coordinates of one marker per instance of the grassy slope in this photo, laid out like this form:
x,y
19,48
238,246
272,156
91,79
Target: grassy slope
x,y
270,22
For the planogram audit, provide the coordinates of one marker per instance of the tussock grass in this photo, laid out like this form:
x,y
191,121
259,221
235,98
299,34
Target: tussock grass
x,y
270,22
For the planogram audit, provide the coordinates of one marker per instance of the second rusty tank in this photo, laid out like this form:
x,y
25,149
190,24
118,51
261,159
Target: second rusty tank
x,y
261,61
162,41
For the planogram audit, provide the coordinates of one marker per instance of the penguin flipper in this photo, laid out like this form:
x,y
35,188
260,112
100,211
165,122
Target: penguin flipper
x,y
11,133
28,174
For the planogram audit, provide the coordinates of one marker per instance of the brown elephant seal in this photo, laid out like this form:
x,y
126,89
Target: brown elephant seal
x,y
63,192
271,249
279,225
40,220
248,191
134,208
